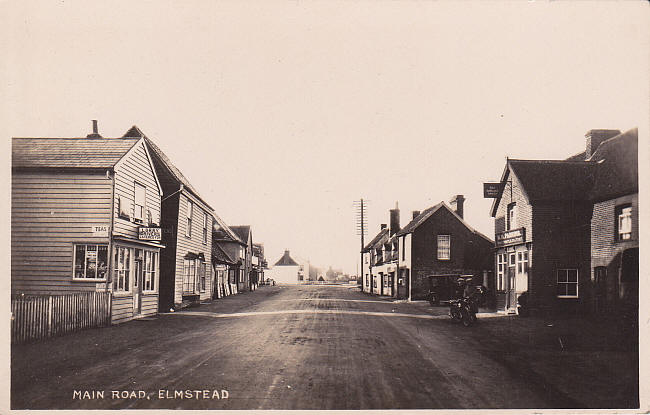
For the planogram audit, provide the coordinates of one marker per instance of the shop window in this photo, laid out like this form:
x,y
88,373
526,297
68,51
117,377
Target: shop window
x,y
567,283
90,262
624,222
188,214
511,219
150,259
139,202
122,271
444,247
189,276
522,262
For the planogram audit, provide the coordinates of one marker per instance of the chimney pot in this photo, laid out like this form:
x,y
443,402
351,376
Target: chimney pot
x,y
95,133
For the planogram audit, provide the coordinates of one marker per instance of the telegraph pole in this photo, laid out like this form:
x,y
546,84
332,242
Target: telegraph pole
x,y
362,222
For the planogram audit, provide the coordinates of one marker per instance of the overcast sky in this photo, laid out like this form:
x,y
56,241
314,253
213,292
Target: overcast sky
x,y
283,113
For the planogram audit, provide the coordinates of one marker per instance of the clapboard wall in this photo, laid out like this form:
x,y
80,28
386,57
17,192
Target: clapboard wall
x,y
50,211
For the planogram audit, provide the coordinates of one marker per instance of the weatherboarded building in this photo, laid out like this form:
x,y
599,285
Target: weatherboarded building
x,y
186,261
85,216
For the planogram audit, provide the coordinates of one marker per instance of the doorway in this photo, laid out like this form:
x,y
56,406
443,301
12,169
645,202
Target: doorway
x,y
137,284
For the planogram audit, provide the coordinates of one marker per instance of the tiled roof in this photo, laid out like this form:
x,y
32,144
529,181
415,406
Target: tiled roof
x,y
376,240
617,169
225,234
242,232
286,260
220,256
554,180
419,219
69,152
160,155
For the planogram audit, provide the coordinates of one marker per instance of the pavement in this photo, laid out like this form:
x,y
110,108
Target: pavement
x,y
328,347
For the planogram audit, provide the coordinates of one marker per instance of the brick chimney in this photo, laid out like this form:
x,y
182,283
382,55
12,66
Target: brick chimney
x,y
457,204
595,137
416,213
394,220
95,133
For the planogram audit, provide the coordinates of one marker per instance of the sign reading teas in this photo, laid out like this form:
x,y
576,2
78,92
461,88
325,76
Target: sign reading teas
x,y
512,237
149,234
99,230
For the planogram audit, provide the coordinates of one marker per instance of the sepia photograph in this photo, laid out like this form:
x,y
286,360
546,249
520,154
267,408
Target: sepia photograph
x,y
325,206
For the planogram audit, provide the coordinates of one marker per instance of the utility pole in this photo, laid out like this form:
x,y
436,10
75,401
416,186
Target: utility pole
x,y
362,228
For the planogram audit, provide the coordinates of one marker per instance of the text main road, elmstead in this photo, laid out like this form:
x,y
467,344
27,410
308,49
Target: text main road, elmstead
x,y
304,347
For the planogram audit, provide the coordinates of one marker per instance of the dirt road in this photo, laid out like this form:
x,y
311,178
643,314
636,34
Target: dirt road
x,y
307,347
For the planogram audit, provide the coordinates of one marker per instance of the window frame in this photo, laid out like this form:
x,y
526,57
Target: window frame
x,y
123,273
501,268
141,218
202,277
623,211
150,271
511,216
188,216
205,228
85,267
558,282
441,249
189,276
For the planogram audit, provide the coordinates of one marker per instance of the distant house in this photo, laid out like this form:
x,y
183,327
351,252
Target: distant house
x,y
85,216
286,270
186,275
258,263
235,249
246,281
384,260
566,231
225,259
373,254
439,246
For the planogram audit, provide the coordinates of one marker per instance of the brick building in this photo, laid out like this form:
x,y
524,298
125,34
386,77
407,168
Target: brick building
x,y
548,214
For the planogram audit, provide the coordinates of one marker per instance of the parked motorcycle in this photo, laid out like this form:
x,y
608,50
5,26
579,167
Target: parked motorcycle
x,y
464,309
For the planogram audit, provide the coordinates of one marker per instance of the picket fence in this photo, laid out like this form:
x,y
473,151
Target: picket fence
x,y
35,317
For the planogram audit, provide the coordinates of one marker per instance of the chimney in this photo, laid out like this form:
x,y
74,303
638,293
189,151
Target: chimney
x,y
394,220
383,226
416,213
95,133
595,137
457,204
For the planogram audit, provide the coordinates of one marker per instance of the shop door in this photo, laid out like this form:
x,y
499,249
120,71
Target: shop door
x,y
137,286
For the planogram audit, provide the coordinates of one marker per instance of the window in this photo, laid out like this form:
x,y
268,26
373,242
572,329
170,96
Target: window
x,y
501,265
190,210
205,228
567,283
444,247
122,272
522,262
624,222
202,276
511,219
512,259
242,252
90,262
367,281
189,276
139,204
150,270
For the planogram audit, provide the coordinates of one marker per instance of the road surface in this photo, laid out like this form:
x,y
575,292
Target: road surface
x,y
305,347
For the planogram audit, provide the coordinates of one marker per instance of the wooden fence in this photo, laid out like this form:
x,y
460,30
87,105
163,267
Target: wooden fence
x,y
35,317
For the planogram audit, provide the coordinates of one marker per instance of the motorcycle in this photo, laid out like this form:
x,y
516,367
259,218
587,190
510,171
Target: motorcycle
x,y
464,309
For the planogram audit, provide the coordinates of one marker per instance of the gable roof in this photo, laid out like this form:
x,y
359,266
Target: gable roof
x,y
219,255
165,162
377,240
617,169
286,260
242,232
549,180
427,213
89,153
223,233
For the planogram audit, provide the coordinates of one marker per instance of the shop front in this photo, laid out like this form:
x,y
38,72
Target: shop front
x,y
513,257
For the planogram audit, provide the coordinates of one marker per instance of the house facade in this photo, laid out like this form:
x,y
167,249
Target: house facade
x,y
374,258
246,279
437,247
287,271
234,250
187,219
556,226
85,218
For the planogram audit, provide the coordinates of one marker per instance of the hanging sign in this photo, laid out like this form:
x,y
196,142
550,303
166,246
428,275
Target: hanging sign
x,y
149,234
492,190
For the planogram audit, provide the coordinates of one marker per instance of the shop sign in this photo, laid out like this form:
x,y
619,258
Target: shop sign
x,y
492,190
149,234
512,237
99,230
